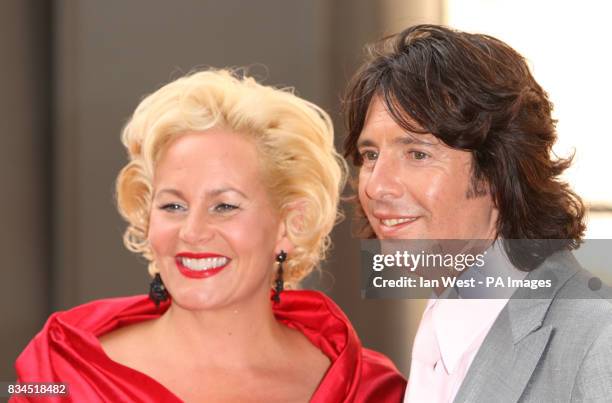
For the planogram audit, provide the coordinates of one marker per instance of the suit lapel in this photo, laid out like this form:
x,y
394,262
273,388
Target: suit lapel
x,y
515,344
501,369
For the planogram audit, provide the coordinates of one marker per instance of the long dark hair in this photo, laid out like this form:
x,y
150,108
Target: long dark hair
x,y
475,93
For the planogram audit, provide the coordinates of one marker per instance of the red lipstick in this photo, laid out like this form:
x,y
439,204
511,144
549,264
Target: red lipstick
x,y
204,273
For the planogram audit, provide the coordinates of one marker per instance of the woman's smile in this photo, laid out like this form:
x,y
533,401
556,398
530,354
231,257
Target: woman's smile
x,y
201,265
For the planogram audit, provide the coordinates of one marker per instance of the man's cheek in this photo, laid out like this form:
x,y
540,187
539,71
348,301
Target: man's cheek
x,y
362,195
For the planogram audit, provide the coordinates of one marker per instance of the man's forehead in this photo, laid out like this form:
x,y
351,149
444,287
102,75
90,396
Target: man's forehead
x,y
394,135
377,113
379,122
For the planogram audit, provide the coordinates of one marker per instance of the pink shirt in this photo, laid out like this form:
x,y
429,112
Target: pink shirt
x,y
452,330
459,327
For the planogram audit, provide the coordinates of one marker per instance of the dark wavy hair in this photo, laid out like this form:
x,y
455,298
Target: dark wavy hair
x,y
476,93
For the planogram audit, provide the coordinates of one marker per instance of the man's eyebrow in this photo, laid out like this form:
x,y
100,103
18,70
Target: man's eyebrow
x,y
401,140
366,143
405,140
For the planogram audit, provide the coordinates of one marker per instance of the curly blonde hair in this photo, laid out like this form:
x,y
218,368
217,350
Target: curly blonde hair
x,y
294,139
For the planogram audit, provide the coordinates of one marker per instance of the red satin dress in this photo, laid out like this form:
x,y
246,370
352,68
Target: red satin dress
x,y
67,350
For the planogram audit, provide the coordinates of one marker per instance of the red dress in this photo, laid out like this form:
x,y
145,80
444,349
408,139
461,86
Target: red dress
x,y
67,350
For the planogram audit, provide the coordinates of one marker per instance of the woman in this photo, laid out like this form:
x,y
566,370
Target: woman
x,y
231,187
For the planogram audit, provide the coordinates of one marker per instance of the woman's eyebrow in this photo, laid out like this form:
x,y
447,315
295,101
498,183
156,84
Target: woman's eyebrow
x,y
210,193
171,191
217,192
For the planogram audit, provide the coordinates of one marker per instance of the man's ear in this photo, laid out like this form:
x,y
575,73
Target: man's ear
x,y
293,218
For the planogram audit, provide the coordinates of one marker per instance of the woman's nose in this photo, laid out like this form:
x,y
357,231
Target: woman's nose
x,y
196,229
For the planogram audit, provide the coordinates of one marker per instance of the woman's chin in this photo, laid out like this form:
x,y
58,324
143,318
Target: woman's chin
x,y
216,295
198,301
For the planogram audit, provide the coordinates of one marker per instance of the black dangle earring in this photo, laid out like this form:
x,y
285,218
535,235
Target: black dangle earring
x,y
157,290
280,258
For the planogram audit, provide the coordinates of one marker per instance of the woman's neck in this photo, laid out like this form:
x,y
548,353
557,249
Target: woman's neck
x,y
242,334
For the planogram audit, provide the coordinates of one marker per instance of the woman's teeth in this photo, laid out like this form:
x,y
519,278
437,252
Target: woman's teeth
x,y
204,264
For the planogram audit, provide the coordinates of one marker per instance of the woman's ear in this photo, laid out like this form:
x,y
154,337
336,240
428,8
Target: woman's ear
x,y
293,219
284,244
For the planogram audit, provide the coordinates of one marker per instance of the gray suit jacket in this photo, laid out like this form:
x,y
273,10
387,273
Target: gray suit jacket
x,y
557,348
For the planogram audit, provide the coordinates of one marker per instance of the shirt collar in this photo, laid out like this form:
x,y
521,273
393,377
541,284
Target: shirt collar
x,y
459,323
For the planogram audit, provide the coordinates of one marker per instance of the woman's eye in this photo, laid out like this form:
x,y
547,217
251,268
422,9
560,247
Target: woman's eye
x,y
418,155
224,208
172,207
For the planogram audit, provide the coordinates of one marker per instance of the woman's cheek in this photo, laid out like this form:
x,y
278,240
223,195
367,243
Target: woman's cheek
x,y
162,235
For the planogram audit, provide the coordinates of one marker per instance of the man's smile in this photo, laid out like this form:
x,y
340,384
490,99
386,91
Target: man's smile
x,y
392,222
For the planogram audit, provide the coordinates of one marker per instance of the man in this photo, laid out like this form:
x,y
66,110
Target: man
x,y
452,137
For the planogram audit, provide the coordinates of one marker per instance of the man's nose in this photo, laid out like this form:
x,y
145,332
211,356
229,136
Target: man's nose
x,y
384,182
196,228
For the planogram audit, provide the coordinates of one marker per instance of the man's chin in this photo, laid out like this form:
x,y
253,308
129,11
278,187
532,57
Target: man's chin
x,y
407,235
408,230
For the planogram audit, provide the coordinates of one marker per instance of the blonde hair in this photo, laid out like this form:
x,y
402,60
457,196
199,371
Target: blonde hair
x,y
294,138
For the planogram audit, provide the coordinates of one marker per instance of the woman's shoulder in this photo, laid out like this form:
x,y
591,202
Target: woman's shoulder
x,y
68,350
95,318
90,319
99,316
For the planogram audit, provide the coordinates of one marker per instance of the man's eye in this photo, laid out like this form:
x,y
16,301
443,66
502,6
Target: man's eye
x,y
224,208
172,207
369,155
419,155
